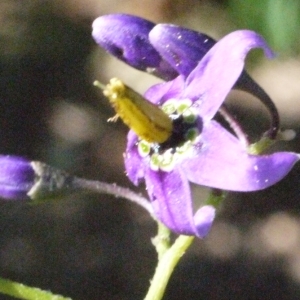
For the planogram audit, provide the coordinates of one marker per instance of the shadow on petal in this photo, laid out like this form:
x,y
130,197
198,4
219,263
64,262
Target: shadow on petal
x,y
171,199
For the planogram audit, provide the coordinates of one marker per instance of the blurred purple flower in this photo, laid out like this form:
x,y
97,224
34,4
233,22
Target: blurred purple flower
x,y
199,149
21,179
16,177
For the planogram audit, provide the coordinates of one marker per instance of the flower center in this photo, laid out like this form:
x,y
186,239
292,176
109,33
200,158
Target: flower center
x,y
163,156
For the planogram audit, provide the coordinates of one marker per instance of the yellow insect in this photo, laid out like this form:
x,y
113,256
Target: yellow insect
x,y
147,120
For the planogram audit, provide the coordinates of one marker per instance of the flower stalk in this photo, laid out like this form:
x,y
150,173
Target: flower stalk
x,y
166,266
169,255
112,189
162,241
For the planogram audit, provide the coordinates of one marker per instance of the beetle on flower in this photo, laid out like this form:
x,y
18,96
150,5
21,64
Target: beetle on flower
x,y
193,146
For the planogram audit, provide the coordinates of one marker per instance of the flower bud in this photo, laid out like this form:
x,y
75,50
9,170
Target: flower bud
x,y
21,179
17,177
126,37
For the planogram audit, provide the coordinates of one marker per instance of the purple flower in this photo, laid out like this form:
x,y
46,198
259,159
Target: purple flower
x,y
199,149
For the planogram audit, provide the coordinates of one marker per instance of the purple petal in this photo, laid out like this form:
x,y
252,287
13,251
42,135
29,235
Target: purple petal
x,y
171,199
184,48
132,159
181,47
219,160
203,219
217,72
126,37
16,177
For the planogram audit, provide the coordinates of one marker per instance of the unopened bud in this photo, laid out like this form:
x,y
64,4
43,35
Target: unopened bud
x,y
21,179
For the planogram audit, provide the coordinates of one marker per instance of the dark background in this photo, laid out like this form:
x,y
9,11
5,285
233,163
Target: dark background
x,y
98,247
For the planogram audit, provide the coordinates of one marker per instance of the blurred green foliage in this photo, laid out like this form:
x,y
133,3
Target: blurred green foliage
x,y
277,20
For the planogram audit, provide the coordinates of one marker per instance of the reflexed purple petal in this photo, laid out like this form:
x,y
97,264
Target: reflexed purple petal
x,y
220,160
161,92
184,48
181,47
126,37
133,161
16,177
171,199
204,218
217,72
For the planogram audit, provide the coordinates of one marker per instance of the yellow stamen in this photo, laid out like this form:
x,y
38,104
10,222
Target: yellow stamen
x,y
147,120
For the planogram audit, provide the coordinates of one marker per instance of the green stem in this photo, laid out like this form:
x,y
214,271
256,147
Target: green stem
x,y
162,240
166,266
21,291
